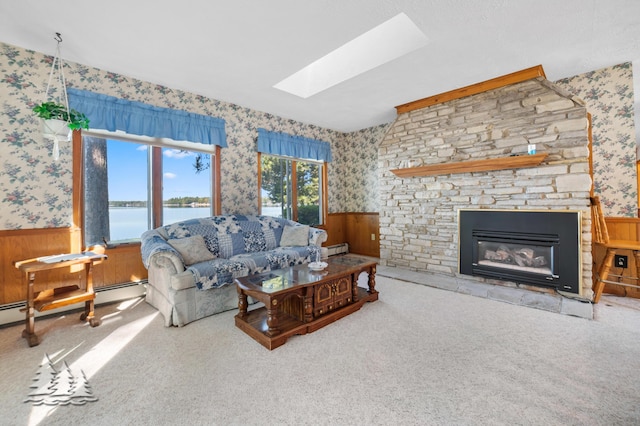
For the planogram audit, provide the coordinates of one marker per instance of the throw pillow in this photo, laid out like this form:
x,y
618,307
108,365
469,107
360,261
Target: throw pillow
x,y
192,249
295,236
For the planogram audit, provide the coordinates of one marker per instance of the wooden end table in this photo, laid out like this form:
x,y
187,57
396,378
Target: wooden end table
x,y
300,301
60,296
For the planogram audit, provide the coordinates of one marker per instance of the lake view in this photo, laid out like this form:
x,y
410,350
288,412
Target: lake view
x,y
130,222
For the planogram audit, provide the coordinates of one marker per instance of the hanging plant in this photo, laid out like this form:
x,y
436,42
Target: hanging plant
x,y
55,111
58,119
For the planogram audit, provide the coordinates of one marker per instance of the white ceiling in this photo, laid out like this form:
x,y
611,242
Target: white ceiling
x,y
236,50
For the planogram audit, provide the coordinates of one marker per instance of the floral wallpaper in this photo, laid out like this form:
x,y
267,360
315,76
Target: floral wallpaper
x,y
36,190
357,184
608,94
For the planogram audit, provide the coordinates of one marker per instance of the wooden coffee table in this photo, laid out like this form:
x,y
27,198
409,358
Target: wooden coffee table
x,y
300,301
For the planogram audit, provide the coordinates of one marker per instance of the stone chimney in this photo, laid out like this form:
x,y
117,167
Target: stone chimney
x,y
418,214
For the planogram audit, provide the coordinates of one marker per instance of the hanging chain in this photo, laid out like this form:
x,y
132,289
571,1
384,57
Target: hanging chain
x,y
57,60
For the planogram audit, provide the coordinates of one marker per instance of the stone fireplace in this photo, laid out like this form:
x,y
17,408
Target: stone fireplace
x,y
465,154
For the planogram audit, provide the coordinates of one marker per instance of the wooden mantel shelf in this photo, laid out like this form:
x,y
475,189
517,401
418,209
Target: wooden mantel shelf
x,y
501,163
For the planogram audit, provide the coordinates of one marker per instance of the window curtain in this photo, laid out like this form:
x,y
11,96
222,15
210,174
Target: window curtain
x,y
136,118
293,146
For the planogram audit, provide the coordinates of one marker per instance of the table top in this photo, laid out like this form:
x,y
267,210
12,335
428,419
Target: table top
x,y
58,261
301,275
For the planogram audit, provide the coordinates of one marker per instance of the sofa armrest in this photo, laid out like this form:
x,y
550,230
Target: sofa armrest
x,y
317,236
168,261
154,248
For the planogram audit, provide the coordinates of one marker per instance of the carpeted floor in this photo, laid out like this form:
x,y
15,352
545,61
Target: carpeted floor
x,y
419,355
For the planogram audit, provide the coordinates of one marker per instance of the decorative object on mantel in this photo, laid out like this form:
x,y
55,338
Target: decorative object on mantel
x,y
501,163
58,121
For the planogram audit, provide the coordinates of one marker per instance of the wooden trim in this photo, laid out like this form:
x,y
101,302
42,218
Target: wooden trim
x,y
217,195
77,192
325,192
501,163
259,183
495,83
294,190
156,186
590,146
35,231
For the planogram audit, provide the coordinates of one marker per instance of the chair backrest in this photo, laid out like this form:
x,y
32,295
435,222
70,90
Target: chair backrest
x,y
600,232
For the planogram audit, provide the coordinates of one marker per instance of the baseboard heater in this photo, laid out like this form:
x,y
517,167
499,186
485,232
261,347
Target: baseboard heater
x,y
336,249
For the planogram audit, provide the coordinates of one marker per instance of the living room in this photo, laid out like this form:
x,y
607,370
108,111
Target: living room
x,y
50,212
39,204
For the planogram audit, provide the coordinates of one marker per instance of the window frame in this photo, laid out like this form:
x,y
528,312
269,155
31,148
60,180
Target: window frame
x,y
156,145
294,190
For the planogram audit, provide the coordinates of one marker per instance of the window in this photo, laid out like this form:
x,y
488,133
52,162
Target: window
x,y
292,176
125,191
131,186
292,189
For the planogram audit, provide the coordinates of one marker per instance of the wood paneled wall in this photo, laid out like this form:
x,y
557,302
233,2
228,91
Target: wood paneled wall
x,y
124,264
360,230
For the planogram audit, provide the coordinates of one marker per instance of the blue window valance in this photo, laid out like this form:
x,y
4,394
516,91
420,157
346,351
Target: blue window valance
x,y
137,118
293,146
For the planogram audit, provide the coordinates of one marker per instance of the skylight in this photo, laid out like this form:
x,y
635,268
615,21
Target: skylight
x,y
384,43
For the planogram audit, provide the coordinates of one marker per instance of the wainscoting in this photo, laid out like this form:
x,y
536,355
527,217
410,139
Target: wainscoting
x,y
360,230
124,264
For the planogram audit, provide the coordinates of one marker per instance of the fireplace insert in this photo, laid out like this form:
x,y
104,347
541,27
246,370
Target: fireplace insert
x,y
539,248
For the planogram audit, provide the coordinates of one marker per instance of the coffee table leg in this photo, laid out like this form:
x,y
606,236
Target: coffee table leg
x,y
372,280
354,286
308,304
242,303
272,318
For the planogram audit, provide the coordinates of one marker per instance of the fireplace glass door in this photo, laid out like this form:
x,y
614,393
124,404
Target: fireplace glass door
x,y
525,257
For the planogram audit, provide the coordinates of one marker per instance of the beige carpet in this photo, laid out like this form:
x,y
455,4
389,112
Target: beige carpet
x,y
419,355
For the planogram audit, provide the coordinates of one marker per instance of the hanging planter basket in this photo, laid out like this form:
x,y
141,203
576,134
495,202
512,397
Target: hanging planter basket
x,y
56,129
58,119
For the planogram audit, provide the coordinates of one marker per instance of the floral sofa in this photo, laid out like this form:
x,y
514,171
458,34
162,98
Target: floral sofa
x,y
192,264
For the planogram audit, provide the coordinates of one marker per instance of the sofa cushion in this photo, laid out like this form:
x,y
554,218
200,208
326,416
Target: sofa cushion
x,y
217,273
192,249
293,236
279,258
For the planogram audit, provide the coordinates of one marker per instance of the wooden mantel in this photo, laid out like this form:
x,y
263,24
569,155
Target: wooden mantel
x,y
494,83
501,163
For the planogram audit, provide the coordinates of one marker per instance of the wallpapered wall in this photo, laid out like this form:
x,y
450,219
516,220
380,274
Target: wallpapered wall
x,y
608,94
35,190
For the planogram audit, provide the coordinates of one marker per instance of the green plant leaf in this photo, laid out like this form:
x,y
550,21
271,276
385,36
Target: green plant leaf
x,y
53,110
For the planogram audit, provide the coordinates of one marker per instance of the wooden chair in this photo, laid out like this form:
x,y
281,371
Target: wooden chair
x,y
601,239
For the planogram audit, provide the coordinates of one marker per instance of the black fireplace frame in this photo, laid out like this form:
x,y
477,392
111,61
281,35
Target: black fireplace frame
x,y
559,230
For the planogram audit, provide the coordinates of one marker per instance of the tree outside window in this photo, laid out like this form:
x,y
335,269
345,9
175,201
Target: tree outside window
x,y
292,189
128,190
